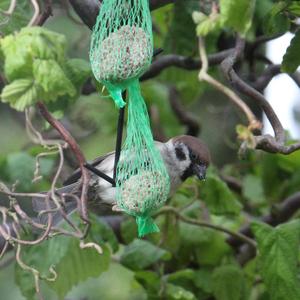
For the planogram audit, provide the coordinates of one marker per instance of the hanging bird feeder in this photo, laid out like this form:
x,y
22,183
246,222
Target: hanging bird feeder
x,y
121,51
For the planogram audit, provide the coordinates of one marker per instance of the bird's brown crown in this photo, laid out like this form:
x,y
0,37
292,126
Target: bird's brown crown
x,y
195,145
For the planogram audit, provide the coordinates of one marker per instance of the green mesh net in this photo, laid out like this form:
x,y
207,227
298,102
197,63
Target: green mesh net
x,y
122,44
121,51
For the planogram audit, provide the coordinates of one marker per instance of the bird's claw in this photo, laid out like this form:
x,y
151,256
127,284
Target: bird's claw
x,y
116,208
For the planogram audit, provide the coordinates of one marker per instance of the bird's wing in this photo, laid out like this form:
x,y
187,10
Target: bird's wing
x,y
75,176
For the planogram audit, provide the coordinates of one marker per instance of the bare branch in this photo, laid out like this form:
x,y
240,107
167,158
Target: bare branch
x,y
236,235
11,8
88,10
203,75
279,214
183,62
46,13
76,150
36,13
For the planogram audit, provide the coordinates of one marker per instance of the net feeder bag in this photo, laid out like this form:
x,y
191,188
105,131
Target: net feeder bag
x,y
121,51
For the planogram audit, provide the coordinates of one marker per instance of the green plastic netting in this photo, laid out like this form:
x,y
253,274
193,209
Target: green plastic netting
x,y
122,44
121,51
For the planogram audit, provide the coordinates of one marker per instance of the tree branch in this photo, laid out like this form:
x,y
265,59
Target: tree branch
x,y
280,214
239,236
46,13
76,150
264,142
182,62
88,10
203,75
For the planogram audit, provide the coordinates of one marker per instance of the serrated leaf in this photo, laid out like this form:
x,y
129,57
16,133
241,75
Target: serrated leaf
x,y
294,8
275,21
103,233
51,77
218,197
237,14
291,59
20,94
77,265
141,254
30,43
278,257
41,257
212,252
228,283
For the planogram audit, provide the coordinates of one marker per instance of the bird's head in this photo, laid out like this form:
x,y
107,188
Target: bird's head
x,y
190,155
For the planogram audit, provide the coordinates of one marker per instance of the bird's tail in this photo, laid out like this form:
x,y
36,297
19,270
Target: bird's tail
x,y
40,205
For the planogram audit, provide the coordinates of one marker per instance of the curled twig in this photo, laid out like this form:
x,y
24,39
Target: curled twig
x,y
203,75
79,155
36,13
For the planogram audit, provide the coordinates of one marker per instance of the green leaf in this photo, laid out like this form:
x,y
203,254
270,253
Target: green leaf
x,y
51,77
275,21
20,94
229,283
291,59
77,265
212,252
253,189
237,14
294,8
117,283
278,257
150,280
128,230
103,233
141,254
174,292
218,197
198,17
20,17
21,49
41,257
208,25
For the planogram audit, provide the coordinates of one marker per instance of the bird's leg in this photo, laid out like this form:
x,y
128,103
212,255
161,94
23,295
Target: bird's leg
x,y
116,208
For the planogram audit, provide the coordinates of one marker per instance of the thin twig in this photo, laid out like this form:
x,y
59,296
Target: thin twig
x,y
203,75
237,235
79,156
36,13
11,8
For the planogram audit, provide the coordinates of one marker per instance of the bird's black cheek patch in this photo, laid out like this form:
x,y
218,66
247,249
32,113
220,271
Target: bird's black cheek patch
x,y
187,173
180,154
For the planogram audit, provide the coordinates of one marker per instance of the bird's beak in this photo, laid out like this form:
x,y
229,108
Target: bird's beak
x,y
200,171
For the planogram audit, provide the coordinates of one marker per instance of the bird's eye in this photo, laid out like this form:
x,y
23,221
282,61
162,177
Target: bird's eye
x,y
193,156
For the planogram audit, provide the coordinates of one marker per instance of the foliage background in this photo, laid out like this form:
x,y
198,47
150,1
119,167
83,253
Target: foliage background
x,y
184,261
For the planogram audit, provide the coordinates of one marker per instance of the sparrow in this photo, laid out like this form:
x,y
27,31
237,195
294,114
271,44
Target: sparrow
x,y
184,156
